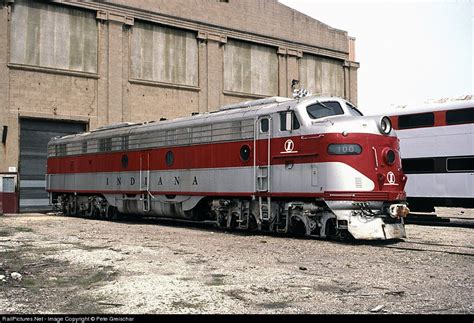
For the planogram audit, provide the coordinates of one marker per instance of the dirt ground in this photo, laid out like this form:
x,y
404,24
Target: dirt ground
x,y
78,266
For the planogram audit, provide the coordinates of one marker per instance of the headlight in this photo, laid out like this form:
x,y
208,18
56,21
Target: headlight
x,y
385,125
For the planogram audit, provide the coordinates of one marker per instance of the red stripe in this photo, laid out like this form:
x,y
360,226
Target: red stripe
x,y
225,155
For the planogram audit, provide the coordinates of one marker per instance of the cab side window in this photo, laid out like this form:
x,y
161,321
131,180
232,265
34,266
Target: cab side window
x,y
264,125
288,121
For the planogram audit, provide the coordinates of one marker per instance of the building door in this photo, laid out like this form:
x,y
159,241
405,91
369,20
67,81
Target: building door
x,y
34,137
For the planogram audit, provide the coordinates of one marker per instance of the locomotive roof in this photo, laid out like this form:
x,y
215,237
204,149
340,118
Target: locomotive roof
x,y
239,111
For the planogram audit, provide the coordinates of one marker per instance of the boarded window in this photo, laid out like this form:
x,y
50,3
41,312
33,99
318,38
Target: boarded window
x,y
164,54
53,36
250,68
322,76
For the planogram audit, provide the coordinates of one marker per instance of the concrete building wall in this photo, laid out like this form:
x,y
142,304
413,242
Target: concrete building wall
x,y
164,54
322,76
251,69
253,17
114,61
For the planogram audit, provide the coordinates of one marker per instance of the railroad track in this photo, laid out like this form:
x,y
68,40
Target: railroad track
x,y
434,220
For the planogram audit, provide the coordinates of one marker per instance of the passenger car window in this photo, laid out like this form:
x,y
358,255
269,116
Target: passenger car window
x,y
416,120
460,164
324,109
418,165
460,116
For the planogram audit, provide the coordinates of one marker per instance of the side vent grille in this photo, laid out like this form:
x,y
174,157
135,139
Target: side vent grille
x,y
358,182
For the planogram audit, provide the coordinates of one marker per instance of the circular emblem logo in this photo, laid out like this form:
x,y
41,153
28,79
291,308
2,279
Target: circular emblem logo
x,y
391,178
289,145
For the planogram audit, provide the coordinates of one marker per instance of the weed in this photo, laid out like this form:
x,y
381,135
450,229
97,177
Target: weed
x,y
275,305
23,229
185,305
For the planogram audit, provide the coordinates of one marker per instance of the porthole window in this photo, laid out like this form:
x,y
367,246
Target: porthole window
x,y
245,153
169,158
124,161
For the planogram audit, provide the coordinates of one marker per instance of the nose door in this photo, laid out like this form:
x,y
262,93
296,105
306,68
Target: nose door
x,y
145,180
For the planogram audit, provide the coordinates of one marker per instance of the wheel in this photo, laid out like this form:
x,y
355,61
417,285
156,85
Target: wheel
x,y
67,209
63,207
253,224
92,211
336,234
297,226
71,207
111,213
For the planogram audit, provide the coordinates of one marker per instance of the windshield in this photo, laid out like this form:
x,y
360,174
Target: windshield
x,y
353,110
324,109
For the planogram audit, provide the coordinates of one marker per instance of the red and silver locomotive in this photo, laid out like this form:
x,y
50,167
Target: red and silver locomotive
x,y
312,166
